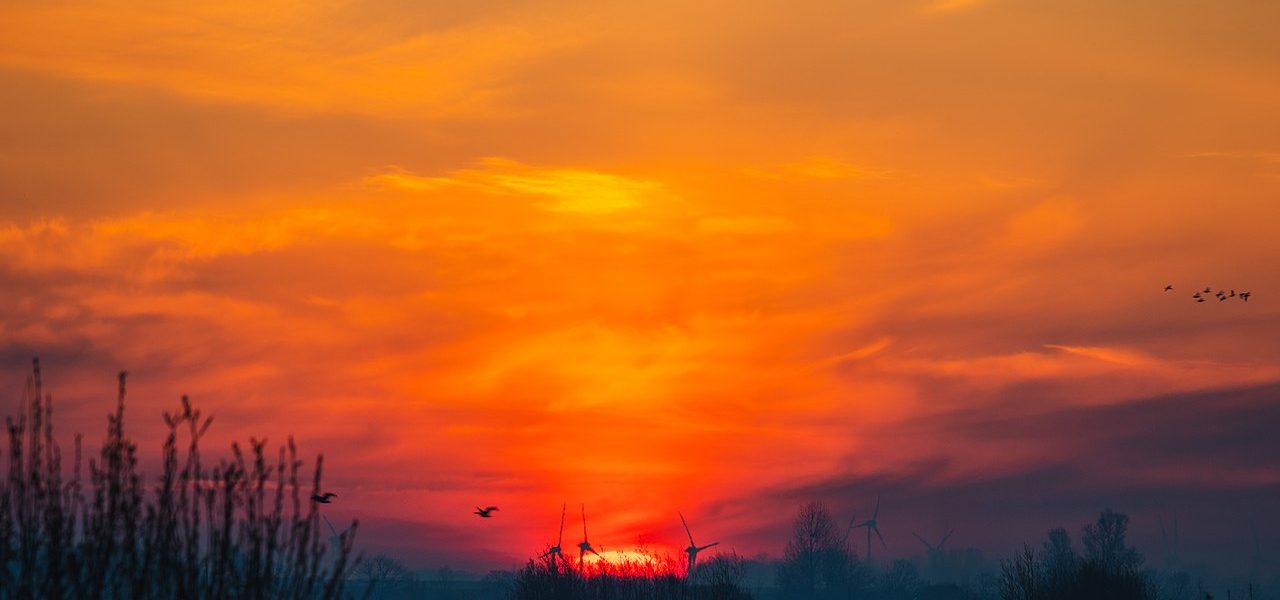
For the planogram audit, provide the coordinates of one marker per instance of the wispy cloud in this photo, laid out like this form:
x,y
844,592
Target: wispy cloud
x,y
248,56
574,191
938,7
817,167
1268,158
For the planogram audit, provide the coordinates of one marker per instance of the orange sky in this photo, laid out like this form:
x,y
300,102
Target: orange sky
x,y
653,257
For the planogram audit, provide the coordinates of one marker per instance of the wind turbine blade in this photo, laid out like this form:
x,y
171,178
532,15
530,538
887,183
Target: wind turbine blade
x,y
876,514
563,509
877,530
708,546
584,522
686,528
945,538
927,544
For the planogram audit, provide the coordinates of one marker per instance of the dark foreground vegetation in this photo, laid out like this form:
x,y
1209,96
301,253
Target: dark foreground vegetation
x,y
1109,569
239,528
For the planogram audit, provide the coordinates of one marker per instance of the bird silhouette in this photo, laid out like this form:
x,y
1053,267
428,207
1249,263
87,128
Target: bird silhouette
x,y
1245,296
1168,288
324,498
1199,299
1208,290
484,512
1222,298
1195,295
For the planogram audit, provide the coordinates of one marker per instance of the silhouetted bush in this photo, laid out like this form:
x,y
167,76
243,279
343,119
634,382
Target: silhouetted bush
x,y
235,530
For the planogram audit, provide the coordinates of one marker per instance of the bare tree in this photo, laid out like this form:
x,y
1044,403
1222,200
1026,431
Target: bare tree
x,y
1104,543
1020,577
816,561
383,572
1060,561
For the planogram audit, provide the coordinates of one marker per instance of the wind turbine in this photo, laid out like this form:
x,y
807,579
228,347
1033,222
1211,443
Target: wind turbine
x,y
932,548
554,551
585,545
693,548
870,524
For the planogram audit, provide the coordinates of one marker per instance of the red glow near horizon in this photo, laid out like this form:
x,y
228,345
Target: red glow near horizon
x,y
655,260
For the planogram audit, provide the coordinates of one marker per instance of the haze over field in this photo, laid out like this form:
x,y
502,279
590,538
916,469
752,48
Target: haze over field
x,y
654,257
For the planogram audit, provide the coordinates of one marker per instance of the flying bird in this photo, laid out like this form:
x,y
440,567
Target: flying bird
x,y
1199,299
1245,296
484,512
1208,290
324,498
1168,288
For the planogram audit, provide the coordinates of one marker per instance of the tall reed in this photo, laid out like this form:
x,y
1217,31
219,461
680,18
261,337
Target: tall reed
x,y
236,529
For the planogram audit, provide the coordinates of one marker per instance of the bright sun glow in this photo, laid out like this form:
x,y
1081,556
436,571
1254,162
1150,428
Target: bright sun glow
x,y
632,562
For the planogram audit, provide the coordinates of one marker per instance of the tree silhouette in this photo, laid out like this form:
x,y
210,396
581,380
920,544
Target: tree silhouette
x,y
816,562
1104,543
1059,558
1109,570
383,573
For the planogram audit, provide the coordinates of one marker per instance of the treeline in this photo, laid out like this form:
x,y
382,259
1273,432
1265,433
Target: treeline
x,y
243,527
1109,569
820,562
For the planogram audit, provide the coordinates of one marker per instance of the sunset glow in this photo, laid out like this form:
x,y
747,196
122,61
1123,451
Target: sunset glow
x,y
665,256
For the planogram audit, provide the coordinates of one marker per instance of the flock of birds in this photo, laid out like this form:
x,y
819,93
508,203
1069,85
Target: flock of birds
x,y
1207,292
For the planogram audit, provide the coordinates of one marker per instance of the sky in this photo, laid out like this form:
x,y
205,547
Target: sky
x,y
718,257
